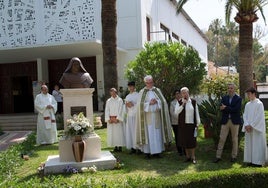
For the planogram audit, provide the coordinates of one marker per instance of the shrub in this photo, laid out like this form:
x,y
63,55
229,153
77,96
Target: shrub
x,y
27,146
9,161
170,64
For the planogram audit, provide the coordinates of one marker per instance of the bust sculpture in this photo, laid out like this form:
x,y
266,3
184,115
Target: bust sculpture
x,y
75,75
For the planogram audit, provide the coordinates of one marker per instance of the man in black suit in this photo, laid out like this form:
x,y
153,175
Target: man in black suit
x,y
231,120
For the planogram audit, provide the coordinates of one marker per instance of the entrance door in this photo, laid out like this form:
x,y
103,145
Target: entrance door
x,y
22,92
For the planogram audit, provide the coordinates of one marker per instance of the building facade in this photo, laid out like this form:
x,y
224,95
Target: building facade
x,y
38,38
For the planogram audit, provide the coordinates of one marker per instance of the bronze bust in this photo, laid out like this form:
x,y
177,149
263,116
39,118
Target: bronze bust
x,y
75,75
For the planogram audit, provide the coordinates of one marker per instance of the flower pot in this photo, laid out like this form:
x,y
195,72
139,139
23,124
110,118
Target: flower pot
x,y
207,132
78,147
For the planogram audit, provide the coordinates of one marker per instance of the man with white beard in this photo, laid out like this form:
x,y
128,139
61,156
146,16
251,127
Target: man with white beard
x,y
153,120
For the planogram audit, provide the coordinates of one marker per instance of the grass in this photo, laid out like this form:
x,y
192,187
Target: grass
x,y
169,171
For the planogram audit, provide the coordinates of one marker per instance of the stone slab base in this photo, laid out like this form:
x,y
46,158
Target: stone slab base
x,y
54,166
92,150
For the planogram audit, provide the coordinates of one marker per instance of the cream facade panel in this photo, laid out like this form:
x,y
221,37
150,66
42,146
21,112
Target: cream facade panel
x,y
29,23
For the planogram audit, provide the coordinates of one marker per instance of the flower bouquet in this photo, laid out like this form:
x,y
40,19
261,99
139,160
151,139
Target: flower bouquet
x,y
79,125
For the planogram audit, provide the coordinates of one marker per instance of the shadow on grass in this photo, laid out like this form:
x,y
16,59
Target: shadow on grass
x,y
168,165
47,147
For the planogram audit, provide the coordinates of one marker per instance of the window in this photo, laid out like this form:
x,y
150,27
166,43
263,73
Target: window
x,y
175,36
184,42
148,27
166,30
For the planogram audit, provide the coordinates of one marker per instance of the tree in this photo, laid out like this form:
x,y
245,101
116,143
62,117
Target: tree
x,y
215,28
223,42
225,39
260,62
245,17
109,45
172,66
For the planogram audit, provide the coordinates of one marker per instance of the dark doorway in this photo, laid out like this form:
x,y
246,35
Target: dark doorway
x,y
22,92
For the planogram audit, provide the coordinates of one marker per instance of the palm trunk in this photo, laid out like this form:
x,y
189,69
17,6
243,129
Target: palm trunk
x,y
109,45
245,56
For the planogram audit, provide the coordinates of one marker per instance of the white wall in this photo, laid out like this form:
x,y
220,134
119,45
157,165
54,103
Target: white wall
x,y
129,25
132,31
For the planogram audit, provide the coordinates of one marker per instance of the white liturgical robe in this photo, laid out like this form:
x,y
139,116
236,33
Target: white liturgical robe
x,y
153,122
115,133
46,122
255,148
130,131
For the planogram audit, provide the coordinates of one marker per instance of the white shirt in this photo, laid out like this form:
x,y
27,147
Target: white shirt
x,y
174,117
132,97
189,112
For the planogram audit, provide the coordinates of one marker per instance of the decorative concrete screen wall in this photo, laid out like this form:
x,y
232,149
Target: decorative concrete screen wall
x,y
44,22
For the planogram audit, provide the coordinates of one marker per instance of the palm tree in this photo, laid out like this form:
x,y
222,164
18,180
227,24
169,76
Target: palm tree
x,y
215,27
245,17
109,45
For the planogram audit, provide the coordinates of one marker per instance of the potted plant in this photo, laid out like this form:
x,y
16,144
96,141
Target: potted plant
x,y
210,116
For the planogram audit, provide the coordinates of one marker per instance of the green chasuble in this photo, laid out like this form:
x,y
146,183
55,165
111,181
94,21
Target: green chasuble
x,y
165,118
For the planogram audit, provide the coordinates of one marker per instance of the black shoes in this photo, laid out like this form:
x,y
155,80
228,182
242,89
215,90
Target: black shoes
x,y
190,160
233,160
187,160
157,155
217,160
147,156
253,165
132,151
117,149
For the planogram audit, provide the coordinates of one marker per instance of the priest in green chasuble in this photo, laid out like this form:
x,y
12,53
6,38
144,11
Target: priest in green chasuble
x,y
153,121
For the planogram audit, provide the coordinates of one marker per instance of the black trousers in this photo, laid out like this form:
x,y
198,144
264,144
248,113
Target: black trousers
x,y
175,130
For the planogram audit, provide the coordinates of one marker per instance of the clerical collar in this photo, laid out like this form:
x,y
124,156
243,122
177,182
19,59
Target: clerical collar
x,y
149,89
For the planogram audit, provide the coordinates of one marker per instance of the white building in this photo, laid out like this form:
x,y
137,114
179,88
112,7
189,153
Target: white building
x,y
38,38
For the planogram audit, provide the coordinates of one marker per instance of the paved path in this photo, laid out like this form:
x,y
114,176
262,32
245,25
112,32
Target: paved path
x,y
12,137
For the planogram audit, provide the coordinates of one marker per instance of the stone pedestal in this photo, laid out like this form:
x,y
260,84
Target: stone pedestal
x,y
54,166
93,156
92,149
75,101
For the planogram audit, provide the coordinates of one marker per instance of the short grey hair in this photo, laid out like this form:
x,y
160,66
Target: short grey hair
x,y
232,84
147,77
185,89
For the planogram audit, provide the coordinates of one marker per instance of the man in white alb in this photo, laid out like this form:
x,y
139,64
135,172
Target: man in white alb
x,y
114,119
255,148
46,105
131,108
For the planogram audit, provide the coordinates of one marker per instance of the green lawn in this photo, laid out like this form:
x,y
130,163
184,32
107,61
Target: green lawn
x,y
169,171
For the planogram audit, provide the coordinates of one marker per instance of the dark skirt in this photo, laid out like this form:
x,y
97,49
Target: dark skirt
x,y
186,137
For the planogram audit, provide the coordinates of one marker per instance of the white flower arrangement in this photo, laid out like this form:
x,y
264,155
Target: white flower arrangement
x,y
91,169
79,125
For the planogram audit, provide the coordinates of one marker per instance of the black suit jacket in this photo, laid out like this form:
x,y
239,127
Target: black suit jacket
x,y
232,110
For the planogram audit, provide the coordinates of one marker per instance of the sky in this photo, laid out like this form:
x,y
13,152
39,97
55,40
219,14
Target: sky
x,y
203,12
